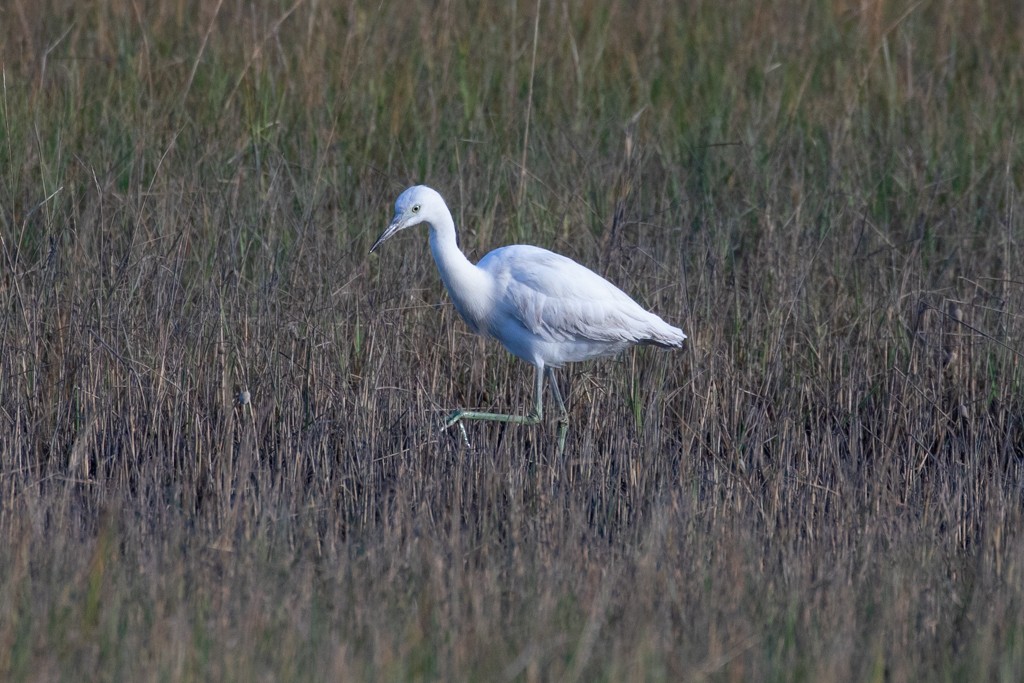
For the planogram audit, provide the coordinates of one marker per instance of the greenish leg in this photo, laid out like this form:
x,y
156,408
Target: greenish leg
x,y
459,416
563,414
531,419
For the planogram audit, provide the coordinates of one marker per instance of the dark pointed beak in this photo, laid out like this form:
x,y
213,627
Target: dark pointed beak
x,y
395,226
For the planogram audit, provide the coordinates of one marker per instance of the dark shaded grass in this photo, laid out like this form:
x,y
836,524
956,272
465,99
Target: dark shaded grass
x,y
825,484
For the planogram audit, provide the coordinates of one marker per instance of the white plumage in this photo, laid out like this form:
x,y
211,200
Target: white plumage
x,y
543,307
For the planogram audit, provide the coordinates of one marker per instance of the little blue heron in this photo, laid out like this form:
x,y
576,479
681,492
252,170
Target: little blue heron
x,y
543,307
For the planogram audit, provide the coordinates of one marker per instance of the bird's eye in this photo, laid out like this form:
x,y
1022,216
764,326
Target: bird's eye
x,y
416,209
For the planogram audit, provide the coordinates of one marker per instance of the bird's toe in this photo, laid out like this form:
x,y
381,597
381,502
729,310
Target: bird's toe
x,y
454,418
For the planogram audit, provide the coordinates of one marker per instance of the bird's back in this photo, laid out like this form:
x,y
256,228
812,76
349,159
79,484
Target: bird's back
x,y
566,311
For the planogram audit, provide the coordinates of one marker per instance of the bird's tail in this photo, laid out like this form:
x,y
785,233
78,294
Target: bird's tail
x,y
665,336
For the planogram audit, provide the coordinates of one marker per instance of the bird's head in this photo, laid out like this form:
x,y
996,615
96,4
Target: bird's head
x,y
418,204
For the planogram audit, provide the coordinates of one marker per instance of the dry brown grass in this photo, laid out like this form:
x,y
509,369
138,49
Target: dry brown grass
x,y
825,485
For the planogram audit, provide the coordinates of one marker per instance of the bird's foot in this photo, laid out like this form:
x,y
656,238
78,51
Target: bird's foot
x,y
456,418
563,430
465,437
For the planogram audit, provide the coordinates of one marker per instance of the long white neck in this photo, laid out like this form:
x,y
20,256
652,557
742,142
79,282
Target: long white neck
x,y
468,286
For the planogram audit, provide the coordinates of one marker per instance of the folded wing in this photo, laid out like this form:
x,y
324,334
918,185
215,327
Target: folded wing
x,y
559,300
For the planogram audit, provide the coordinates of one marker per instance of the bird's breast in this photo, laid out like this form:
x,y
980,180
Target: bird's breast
x,y
470,315
472,299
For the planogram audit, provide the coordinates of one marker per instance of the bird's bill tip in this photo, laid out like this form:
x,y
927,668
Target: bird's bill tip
x,y
395,226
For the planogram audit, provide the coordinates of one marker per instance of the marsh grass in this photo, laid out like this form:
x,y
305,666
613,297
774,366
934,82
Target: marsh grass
x,y
824,485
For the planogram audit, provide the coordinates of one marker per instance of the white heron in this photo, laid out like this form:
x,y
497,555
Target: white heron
x,y
543,307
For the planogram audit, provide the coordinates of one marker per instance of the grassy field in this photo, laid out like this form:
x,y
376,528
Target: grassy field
x,y
826,484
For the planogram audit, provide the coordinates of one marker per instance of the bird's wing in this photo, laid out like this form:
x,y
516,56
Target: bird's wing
x,y
559,300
